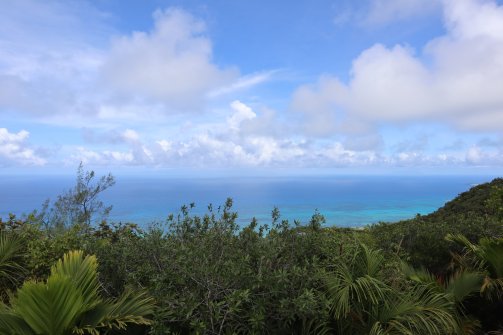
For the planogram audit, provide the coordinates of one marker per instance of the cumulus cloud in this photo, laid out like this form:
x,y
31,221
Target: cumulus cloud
x,y
15,149
58,65
475,155
130,135
105,157
229,142
172,63
341,156
323,110
455,79
320,104
241,113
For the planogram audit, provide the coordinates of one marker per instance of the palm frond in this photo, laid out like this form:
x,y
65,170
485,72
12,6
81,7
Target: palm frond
x,y
369,261
356,284
69,303
420,275
11,323
49,308
10,248
491,250
487,257
83,271
463,284
422,310
132,307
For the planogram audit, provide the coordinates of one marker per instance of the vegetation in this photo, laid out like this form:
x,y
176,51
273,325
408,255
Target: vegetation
x,y
474,214
69,303
435,274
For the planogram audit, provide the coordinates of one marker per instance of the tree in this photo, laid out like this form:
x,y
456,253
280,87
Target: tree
x,y
69,302
80,204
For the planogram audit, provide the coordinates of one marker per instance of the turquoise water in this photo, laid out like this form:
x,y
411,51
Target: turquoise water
x,y
343,200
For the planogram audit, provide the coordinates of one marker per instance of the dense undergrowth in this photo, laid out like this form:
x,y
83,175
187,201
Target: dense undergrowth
x,y
436,274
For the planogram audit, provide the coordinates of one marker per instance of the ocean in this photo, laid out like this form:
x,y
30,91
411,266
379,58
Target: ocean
x,y
345,201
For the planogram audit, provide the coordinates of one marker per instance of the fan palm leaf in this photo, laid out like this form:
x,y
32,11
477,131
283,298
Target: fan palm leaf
x,y
421,310
69,303
459,286
10,266
362,303
487,256
49,308
350,286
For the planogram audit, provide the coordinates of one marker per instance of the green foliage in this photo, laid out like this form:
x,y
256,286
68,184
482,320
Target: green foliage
x,y
421,240
459,288
11,260
363,303
473,202
69,303
487,257
210,276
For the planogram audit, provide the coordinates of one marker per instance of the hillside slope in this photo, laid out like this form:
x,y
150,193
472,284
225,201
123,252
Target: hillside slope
x,y
481,200
475,213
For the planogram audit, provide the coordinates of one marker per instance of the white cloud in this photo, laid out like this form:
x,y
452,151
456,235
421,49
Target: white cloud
x,y
243,83
467,19
14,149
58,66
165,145
342,156
320,104
172,63
322,108
477,156
229,142
130,135
106,157
241,113
455,80
473,155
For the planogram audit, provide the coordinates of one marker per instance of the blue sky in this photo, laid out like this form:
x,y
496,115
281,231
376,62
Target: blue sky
x,y
292,86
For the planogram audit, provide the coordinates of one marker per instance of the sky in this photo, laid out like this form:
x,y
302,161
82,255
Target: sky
x,y
368,86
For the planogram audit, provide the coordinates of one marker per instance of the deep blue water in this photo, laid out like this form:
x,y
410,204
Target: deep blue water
x,y
343,200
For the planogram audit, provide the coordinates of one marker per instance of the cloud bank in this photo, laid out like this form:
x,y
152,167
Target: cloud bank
x,y
14,149
455,78
159,98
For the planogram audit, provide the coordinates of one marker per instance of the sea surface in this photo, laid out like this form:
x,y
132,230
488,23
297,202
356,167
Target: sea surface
x,y
346,201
